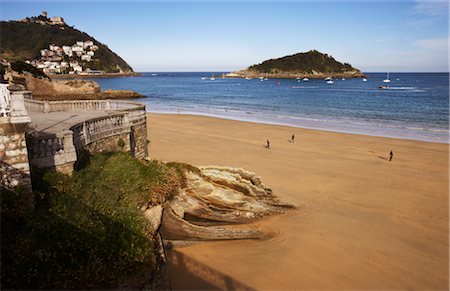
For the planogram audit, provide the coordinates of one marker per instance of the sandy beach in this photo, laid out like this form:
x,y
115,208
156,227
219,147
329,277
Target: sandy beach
x,y
362,222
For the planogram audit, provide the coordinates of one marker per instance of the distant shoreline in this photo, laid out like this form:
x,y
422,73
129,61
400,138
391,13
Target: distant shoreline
x,y
105,75
314,127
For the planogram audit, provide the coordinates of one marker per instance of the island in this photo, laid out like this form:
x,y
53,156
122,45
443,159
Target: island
x,y
311,64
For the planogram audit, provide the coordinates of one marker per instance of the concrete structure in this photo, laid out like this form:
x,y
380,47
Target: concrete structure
x,y
64,129
61,131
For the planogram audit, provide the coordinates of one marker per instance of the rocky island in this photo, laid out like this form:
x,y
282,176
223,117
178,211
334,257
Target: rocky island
x,y
312,64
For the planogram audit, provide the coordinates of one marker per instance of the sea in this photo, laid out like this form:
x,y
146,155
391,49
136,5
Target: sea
x,y
414,106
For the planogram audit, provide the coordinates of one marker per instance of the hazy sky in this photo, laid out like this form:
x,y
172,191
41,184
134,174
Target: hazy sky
x,y
374,36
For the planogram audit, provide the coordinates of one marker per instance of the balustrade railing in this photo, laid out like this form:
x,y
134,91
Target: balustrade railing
x,y
50,150
5,101
81,105
57,149
97,128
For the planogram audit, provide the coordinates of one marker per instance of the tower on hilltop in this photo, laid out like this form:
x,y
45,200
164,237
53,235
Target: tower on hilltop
x,y
44,13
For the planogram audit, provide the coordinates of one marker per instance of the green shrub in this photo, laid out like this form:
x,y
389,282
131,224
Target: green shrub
x,y
121,143
87,231
22,67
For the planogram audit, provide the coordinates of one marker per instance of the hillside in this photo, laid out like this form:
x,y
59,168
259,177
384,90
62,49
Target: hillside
x,y
312,64
22,40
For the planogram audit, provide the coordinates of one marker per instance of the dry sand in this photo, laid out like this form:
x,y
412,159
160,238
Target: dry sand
x,y
362,223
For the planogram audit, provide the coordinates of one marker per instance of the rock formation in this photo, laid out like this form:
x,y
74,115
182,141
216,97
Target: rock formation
x,y
218,196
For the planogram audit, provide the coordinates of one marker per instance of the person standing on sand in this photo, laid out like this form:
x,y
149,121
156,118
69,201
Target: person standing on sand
x,y
293,138
268,144
391,155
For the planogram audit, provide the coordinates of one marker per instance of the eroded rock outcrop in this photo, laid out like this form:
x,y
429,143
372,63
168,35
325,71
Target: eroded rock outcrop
x,y
218,196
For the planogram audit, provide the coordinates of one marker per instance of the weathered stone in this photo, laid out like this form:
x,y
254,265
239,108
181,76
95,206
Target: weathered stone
x,y
218,194
11,146
154,216
13,153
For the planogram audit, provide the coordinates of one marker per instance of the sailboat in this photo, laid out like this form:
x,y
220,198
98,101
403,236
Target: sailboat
x,y
212,77
387,80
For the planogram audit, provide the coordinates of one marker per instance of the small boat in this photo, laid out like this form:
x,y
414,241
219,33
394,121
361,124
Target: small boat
x,y
212,78
265,79
248,78
383,87
364,80
305,79
387,80
203,78
330,81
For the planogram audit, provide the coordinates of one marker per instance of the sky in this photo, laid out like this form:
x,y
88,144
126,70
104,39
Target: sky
x,y
373,36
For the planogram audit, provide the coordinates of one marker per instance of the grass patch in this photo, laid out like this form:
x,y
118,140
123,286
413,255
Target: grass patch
x,y
86,231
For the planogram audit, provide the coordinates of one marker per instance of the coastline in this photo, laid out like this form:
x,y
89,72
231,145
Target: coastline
x,y
313,126
105,75
385,224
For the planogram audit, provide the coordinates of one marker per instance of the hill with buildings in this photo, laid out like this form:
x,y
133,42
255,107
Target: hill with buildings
x,y
53,46
312,64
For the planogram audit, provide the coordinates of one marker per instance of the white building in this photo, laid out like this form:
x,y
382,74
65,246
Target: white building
x,y
88,43
57,20
78,69
77,48
86,58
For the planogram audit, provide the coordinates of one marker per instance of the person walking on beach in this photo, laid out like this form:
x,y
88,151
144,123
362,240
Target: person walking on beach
x,y
268,144
391,155
293,138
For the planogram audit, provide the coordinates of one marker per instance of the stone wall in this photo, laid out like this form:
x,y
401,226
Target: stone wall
x,y
14,167
139,138
110,144
15,170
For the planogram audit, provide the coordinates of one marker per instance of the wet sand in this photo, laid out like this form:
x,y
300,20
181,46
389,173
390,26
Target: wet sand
x,y
362,222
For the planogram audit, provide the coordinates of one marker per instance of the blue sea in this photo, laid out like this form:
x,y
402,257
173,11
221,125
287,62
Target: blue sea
x,y
415,106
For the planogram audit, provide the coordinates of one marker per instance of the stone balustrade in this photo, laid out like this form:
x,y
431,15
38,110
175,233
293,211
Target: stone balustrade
x,y
127,122
52,150
81,105
97,128
5,101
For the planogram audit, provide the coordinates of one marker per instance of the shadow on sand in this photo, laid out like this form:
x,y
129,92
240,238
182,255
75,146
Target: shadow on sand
x,y
383,158
193,275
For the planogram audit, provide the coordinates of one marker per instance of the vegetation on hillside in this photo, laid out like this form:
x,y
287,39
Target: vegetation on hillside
x,y
22,67
304,63
86,231
24,40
